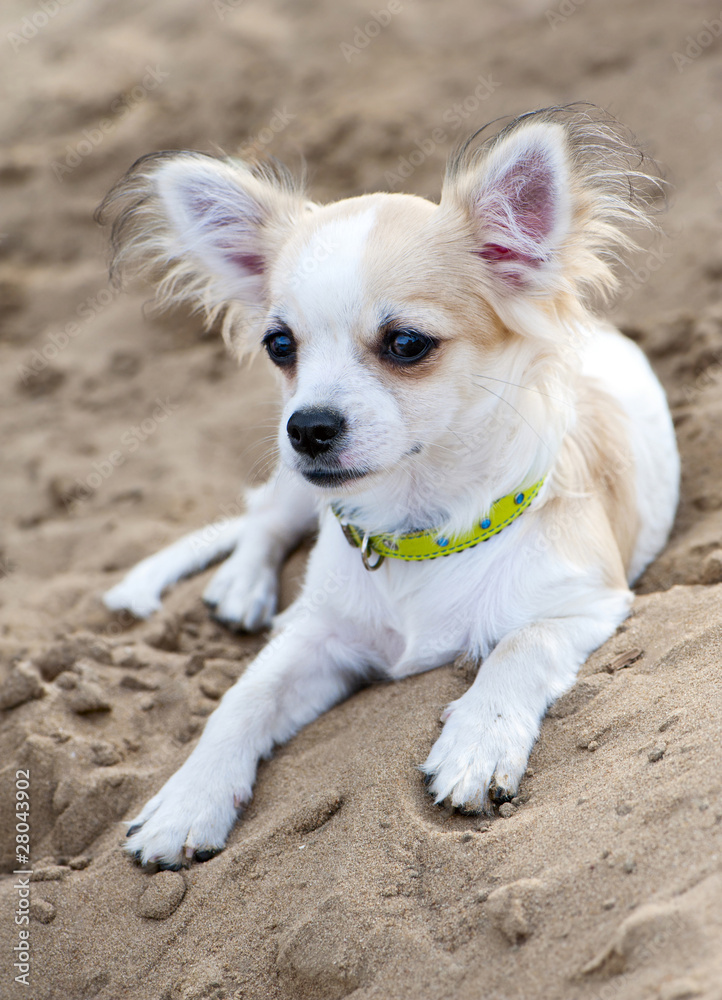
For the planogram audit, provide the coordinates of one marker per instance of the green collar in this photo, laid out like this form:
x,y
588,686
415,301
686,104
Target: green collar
x,y
418,545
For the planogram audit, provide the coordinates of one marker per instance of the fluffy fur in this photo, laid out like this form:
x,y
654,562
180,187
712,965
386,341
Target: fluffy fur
x,y
522,381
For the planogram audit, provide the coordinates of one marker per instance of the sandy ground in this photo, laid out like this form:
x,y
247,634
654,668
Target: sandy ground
x,y
343,878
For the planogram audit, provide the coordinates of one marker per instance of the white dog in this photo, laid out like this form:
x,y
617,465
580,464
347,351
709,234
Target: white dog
x,y
488,464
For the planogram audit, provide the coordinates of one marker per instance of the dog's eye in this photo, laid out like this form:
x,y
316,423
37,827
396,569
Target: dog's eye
x,y
407,345
281,346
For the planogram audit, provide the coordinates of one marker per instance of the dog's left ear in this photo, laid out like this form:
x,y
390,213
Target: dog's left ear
x,y
515,194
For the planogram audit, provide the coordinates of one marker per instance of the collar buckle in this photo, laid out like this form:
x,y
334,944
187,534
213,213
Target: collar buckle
x,y
348,532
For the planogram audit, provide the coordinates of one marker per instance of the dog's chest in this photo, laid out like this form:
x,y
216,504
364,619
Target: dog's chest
x,y
423,613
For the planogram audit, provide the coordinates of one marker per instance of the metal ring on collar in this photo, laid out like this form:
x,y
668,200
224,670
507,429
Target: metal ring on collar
x,y
365,549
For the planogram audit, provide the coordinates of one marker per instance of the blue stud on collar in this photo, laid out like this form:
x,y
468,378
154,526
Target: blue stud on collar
x,y
442,541
519,498
486,523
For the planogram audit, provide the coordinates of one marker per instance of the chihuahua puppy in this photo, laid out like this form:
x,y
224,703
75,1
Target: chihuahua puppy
x,y
489,465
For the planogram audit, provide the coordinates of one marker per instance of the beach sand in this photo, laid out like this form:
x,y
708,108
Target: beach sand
x,y
342,879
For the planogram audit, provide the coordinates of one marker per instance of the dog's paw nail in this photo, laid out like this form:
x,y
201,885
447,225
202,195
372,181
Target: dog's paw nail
x,y
168,867
205,855
499,795
133,829
427,779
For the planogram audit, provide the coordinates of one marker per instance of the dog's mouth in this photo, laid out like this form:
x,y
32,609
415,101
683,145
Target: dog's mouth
x,y
333,477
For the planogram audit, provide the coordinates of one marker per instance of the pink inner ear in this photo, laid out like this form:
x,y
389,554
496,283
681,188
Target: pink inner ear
x,y
253,263
530,190
200,205
494,252
215,216
520,210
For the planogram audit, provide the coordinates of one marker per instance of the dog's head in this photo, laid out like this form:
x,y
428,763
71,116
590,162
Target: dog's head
x,y
413,339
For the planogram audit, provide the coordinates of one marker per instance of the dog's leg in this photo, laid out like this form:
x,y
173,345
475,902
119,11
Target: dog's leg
x,y
140,590
304,670
488,734
245,589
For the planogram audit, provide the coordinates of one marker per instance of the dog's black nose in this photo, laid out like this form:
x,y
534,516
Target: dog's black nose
x,y
314,431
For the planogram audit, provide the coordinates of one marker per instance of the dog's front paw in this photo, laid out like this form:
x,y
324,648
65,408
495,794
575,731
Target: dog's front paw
x,y
480,757
140,598
243,594
190,818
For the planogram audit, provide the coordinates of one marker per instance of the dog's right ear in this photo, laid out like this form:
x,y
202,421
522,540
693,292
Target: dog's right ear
x,y
204,230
